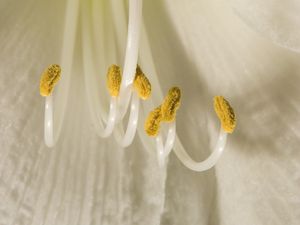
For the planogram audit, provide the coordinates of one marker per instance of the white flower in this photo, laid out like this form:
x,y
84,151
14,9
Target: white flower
x,y
203,47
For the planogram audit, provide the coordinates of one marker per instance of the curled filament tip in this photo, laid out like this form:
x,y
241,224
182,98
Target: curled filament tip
x,y
171,104
114,79
152,123
141,84
225,113
49,78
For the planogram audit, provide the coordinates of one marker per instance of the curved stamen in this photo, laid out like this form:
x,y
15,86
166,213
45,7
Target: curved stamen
x,y
228,123
209,162
167,112
164,150
142,87
103,130
49,79
131,56
127,138
66,63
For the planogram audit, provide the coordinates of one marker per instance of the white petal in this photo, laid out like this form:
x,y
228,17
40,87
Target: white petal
x,y
275,19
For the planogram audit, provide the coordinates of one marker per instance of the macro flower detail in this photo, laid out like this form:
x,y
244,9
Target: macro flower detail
x,y
152,123
49,79
142,84
93,168
114,79
171,104
225,113
166,112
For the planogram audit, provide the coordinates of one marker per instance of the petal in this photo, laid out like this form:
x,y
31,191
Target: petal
x,y
274,19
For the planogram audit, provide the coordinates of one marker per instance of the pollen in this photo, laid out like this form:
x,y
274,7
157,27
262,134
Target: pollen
x,y
225,113
114,79
152,123
171,104
141,84
49,78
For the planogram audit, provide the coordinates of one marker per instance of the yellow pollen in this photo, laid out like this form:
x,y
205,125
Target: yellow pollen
x,y
141,84
152,123
49,78
225,113
114,79
171,104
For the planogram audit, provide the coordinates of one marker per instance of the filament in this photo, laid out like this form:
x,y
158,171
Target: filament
x,y
125,138
131,55
206,164
101,129
67,53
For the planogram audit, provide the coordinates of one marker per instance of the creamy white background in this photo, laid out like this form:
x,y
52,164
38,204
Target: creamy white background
x,y
207,48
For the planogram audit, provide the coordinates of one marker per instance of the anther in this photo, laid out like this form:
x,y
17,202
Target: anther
x,y
114,79
171,104
225,113
152,123
49,78
141,84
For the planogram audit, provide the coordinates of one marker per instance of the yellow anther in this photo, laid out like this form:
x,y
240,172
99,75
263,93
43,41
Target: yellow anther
x,y
114,79
225,113
141,84
171,104
152,123
49,78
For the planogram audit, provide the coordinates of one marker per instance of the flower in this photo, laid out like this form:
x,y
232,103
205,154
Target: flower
x,y
203,47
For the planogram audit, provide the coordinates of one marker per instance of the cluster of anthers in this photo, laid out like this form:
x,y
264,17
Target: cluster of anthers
x,y
136,86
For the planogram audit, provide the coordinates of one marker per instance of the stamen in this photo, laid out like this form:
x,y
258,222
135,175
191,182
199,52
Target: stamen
x,y
114,79
153,120
141,84
49,78
171,104
225,113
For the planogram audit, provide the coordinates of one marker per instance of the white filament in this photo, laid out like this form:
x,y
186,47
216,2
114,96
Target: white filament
x,y
127,138
131,56
118,107
130,63
128,74
211,161
66,62
164,150
101,129
48,122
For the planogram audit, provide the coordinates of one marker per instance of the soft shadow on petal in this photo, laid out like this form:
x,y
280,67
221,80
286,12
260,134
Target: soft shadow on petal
x,y
275,19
